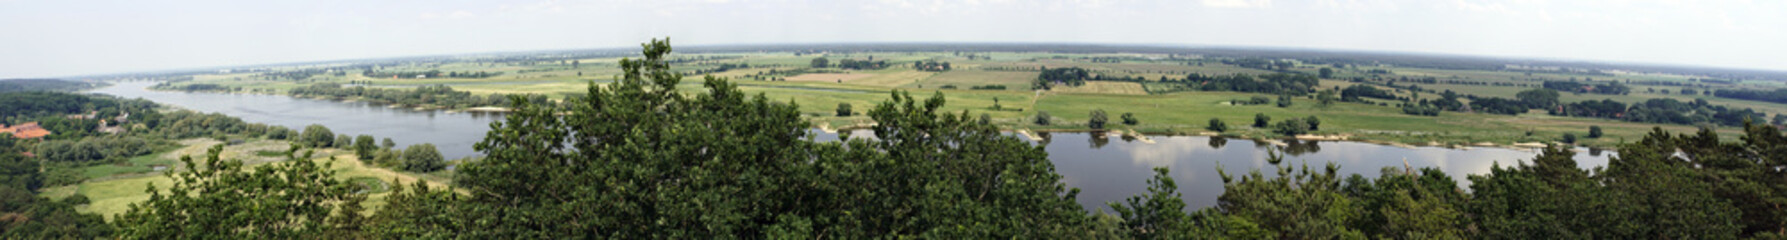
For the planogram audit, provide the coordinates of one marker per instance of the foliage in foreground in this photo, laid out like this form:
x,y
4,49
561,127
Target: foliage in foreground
x,y
638,159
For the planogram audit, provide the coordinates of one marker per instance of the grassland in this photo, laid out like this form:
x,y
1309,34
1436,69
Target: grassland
x,y
113,194
1178,113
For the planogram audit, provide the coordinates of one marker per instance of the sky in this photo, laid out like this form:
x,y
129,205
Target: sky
x,y
82,37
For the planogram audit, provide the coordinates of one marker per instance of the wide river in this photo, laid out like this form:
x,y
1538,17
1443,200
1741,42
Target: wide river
x,y
1104,169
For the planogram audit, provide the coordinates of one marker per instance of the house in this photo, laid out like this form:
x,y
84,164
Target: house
x,y
25,131
109,129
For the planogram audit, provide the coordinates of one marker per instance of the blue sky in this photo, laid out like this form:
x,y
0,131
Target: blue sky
x,y
76,37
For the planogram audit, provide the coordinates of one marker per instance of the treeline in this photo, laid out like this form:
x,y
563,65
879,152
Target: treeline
x,y
1274,83
1662,110
1777,96
1357,92
629,166
870,64
195,87
34,85
1611,88
433,95
105,149
428,74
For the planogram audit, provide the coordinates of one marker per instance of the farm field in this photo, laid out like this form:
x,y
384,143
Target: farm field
x,y
783,76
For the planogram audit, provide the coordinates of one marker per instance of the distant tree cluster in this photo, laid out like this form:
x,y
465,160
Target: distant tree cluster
x,y
35,85
861,64
1611,88
1661,110
195,87
1071,76
1276,83
1357,92
1775,96
436,95
930,66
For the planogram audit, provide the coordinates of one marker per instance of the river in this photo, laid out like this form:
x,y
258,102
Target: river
x,y
1105,169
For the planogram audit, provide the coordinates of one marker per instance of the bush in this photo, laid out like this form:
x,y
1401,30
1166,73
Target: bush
x,y
1098,119
1570,138
1291,127
317,136
1260,120
1129,119
1314,124
1594,131
77,199
843,109
422,158
1042,118
1217,125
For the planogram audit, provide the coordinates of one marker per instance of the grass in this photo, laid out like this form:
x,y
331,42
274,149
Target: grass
x,y
1182,112
112,196
964,79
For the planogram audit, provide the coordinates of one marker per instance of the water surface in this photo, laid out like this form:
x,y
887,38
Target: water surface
x,y
1106,169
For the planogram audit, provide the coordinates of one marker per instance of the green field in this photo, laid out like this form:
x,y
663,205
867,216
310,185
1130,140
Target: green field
x,y
113,194
818,95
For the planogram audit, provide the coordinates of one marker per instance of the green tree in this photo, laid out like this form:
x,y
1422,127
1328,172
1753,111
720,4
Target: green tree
x,y
317,136
820,63
1569,138
386,157
224,199
1327,73
843,109
1313,123
388,144
639,159
1042,118
343,141
1217,125
1158,214
1284,100
1129,119
422,158
1260,120
1325,97
1538,97
1291,127
1594,131
364,146
1097,119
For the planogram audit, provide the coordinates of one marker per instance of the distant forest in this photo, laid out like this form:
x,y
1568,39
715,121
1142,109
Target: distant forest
x,y
53,85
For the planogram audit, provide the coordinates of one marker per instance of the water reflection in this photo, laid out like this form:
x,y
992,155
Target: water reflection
x,y
1105,171
1298,148
1099,139
1194,160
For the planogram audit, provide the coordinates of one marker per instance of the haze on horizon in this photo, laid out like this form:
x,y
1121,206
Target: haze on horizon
x,y
67,38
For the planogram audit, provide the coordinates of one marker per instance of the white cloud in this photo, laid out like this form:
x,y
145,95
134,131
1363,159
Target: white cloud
x,y
1238,3
461,14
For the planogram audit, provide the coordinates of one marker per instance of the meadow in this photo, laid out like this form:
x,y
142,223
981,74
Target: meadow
x,y
819,93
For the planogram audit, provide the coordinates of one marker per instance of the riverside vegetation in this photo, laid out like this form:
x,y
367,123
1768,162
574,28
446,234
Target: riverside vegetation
x,y
640,158
1419,100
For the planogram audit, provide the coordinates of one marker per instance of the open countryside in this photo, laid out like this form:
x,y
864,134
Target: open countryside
x,y
1014,130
